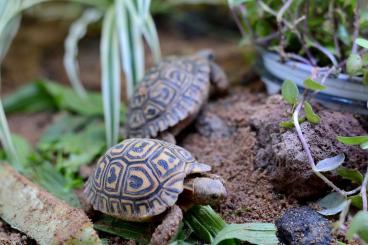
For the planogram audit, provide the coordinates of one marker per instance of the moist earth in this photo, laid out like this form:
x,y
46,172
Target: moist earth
x,y
230,150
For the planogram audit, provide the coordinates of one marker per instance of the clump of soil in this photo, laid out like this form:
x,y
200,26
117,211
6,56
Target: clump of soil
x,y
251,196
282,153
9,236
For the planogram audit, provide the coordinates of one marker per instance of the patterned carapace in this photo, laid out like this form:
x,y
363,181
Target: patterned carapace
x,y
139,178
169,93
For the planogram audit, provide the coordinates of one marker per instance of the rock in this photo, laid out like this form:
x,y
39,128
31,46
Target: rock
x,y
303,226
282,153
210,125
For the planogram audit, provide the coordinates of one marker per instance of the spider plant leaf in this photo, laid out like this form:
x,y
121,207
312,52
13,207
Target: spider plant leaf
x,y
131,45
7,142
77,31
110,64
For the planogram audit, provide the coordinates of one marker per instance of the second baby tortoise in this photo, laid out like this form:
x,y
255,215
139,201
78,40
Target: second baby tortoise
x,y
171,95
140,179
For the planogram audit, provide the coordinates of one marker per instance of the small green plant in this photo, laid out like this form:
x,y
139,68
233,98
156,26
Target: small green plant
x,y
339,200
316,33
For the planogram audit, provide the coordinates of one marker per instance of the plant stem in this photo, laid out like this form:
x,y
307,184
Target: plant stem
x,y
306,147
363,191
234,13
281,31
356,26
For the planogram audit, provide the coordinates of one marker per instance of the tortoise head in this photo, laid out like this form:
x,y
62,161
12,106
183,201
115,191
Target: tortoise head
x,y
209,190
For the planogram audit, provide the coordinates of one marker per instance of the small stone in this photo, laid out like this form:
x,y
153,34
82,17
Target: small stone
x,y
210,125
303,226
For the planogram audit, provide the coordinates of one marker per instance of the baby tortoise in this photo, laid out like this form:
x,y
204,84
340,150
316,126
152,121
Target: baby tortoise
x,y
171,95
140,179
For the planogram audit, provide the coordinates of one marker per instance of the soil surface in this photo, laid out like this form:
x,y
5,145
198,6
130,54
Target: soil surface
x,y
251,196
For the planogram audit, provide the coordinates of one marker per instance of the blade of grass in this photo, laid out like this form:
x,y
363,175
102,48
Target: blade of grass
x,y
110,65
131,45
77,31
6,140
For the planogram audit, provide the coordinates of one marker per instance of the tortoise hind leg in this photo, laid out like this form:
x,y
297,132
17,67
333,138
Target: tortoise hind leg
x,y
167,136
168,228
218,79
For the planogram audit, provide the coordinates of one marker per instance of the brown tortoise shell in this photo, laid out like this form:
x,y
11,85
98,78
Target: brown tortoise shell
x,y
169,93
139,178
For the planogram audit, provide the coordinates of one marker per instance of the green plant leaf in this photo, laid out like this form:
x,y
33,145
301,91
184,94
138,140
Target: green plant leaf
x,y
350,174
310,114
140,232
290,123
313,85
110,65
204,222
354,140
255,233
290,92
362,42
7,142
354,64
359,226
357,201
332,204
331,163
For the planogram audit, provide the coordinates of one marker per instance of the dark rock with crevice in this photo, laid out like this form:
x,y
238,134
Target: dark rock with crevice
x,y
281,152
303,226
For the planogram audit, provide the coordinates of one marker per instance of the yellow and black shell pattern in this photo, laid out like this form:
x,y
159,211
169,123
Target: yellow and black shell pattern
x,y
169,93
138,179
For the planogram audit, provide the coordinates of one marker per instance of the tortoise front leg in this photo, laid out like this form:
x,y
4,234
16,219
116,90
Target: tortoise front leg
x,y
168,228
218,79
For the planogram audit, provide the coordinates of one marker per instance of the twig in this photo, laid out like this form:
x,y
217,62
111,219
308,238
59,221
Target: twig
x,y
280,27
356,26
233,11
324,50
331,14
283,9
363,191
266,39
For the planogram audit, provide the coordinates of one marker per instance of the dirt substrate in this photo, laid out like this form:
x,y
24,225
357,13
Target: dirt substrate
x,y
251,196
